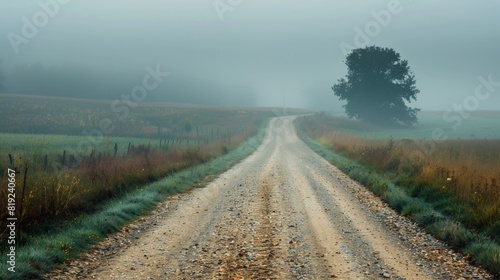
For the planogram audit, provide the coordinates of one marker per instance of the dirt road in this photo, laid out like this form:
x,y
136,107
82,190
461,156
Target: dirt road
x,y
282,213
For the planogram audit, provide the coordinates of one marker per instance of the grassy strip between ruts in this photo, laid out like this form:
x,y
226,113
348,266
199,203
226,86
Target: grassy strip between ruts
x,y
481,248
47,252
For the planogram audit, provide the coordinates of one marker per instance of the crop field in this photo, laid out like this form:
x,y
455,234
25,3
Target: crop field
x,y
65,116
478,125
76,163
464,167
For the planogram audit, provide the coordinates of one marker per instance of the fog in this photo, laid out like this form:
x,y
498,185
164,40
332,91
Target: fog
x,y
244,53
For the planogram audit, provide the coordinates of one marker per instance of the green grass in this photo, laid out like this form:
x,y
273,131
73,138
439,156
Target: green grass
x,y
435,215
46,252
42,144
481,124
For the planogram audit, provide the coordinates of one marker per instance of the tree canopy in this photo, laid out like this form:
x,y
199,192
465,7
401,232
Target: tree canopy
x,y
377,86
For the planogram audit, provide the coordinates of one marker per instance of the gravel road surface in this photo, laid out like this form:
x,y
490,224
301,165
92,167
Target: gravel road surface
x,y
282,213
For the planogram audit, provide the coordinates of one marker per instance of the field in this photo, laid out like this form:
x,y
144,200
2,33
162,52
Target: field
x,y
68,163
479,125
464,168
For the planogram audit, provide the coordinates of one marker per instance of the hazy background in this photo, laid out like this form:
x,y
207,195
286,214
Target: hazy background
x,y
264,53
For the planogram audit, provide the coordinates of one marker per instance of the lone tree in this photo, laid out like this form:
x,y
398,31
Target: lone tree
x,y
377,85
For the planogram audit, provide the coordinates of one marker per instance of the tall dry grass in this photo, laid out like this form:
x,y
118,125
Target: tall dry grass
x,y
467,169
60,195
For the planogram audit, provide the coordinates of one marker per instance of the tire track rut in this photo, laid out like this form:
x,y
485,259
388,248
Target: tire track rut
x,y
282,213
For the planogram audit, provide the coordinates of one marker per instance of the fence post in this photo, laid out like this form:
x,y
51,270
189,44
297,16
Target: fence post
x,y
63,161
45,162
21,202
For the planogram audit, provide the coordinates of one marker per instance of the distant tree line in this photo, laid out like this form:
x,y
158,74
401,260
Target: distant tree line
x,y
67,81
81,82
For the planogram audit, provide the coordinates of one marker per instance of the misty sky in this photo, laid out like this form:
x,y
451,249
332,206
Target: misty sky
x,y
264,52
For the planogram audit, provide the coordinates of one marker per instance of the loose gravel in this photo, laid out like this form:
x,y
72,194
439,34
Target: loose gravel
x,y
282,213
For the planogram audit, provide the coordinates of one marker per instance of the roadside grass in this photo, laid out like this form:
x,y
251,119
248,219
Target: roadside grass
x,y
71,171
440,212
56,245
454,171
70,191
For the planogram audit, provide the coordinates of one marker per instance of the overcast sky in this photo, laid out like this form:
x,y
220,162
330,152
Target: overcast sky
x,y
283,52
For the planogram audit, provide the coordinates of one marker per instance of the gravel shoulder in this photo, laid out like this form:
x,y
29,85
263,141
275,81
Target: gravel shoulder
x,y
282,213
